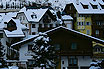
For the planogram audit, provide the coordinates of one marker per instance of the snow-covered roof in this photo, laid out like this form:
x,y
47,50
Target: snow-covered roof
x,y
36,13
8,17
16,33
1,16
92,38
31,37
67,17
79,7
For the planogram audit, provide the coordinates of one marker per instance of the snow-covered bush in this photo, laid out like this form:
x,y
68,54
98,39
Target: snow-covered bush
x,y
94,65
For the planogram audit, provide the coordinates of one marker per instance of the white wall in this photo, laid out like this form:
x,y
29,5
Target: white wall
x,y
68,24
65,59
84,61
23,56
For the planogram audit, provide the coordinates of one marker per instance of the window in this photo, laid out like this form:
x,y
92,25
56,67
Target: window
x,y
51,25
98,49
102,6
73,61
33,25
62,62
45,25
73,46
87,23
80,23
30,47
85,6
40,25
57,47
57,25
20,18
97,32
98,23
94,6
33,33
23,18
1,35
63,67
88,32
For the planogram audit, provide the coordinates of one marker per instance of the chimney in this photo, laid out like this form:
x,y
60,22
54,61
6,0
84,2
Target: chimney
x,y
77,2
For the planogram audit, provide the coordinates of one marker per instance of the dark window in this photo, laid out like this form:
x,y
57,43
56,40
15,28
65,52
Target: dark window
x,y
98,23
1,35
45,25
33,33
57,25
82,23
57,46
85,6
51,25
97,32
63,67
73,46
30,47
40,25
73,61
87,32
33,25
87,23
62,62
102,6
94,6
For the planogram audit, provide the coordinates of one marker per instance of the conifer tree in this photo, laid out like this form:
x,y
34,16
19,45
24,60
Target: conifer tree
x,y
44,53
2,61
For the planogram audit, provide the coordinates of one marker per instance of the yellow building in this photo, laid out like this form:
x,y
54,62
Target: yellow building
x,y
83,24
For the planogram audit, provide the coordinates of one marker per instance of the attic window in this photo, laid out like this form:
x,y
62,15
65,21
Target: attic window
x,y
94,6
102,6
85,6
33,15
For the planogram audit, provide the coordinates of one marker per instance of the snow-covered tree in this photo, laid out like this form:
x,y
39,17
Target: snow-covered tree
x,y
2,61
44,53
94,65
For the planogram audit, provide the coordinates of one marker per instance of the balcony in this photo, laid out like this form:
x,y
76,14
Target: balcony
x,y
98,54
75,53
73,67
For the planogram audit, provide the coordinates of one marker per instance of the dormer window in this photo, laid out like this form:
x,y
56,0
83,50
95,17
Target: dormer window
x,y
102,6
33,15
94,6
84,6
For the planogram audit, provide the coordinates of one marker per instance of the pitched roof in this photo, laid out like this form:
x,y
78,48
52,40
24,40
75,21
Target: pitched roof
x,y
16,33
7,18
38,13
67,17
61,27
79,7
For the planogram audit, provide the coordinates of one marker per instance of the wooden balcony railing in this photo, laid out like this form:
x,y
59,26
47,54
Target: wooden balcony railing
x,y
77,53
73,67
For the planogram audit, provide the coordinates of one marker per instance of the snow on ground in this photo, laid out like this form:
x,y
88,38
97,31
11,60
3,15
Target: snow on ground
x,y
13,67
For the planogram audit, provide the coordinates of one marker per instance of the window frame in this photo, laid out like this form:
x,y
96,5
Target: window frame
x,y
33,26
73,46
